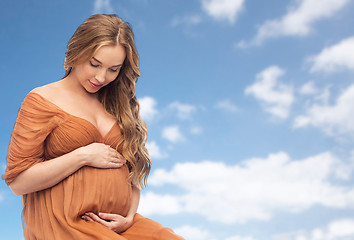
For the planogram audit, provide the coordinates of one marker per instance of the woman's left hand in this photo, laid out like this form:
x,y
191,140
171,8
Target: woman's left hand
x,y
114,222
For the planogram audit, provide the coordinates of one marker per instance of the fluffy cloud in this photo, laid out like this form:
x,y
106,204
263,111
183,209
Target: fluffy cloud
x,y
239,238
223,9
172,134
184,111
153,203
298,21
308,88
334,58
197,233
154,150
332,119
226,105
148,109
102,6
275,96
342,229
253,189
194,233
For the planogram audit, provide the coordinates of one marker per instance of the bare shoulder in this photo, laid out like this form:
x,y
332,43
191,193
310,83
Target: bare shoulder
x,y
48,91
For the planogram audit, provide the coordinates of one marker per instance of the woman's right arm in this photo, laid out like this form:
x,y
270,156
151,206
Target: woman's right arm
x,y
48,173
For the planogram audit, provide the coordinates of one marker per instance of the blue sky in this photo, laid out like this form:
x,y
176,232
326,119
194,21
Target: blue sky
x,y
249,106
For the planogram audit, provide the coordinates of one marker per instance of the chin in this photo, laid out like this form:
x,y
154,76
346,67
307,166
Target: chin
x,y
90,90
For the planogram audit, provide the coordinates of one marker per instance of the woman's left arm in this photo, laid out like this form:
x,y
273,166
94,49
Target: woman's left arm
x,y
116,222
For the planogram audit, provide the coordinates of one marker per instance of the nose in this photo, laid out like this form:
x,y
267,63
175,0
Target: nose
x,y
101,75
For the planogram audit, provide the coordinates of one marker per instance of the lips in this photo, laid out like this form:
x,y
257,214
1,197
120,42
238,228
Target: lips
x,y
95,85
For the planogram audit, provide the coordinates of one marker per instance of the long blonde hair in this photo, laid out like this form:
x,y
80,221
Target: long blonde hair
x,y
118,97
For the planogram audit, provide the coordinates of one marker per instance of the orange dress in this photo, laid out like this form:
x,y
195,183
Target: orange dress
x,y
44,131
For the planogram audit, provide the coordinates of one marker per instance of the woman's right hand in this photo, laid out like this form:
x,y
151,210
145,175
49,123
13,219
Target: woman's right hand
x,y
100,155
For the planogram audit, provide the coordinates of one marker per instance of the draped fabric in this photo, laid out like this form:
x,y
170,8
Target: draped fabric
x,y
44,131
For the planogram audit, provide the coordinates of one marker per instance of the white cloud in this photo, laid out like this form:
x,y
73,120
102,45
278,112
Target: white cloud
x,y
239,238
324,96
298,21
223,9
334,58
154,150
308,88
275,96
226,105
193,233
254,189
198,233
102,6
164,204
172,134
148,109
336,119
184,111
342,229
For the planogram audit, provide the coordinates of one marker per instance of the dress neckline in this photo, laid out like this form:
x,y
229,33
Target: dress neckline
x,y
77,117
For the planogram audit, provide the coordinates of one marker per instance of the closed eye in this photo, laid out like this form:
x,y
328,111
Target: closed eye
x,y
93,65
114,70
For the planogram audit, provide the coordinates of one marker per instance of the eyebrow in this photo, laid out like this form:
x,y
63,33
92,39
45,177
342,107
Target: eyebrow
x,y
119,65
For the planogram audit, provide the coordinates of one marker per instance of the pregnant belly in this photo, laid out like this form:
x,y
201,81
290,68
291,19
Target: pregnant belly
x,y
96,190
55,213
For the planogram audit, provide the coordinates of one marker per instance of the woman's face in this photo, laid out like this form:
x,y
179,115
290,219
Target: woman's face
x,y
101,69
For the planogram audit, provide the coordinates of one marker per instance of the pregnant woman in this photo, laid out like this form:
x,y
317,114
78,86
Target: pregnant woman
x,y
77,152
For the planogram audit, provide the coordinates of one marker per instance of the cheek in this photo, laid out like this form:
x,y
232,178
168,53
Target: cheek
x,y
88,71
111,76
